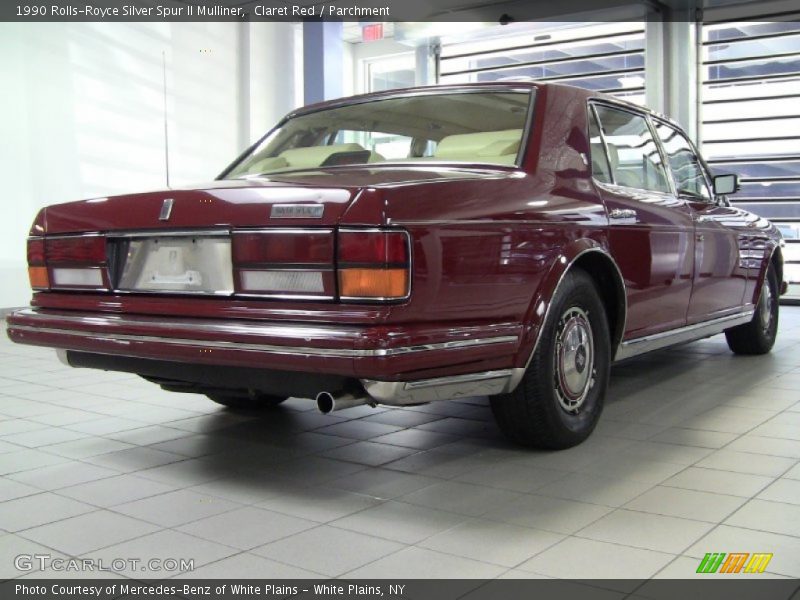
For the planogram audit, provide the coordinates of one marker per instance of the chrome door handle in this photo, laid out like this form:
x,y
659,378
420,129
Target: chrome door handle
x,y
702,219
622,213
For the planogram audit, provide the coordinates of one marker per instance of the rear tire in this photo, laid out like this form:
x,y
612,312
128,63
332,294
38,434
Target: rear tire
x,y
247,400
559,400
758,336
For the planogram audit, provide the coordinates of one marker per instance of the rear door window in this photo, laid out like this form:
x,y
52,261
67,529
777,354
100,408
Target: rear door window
x,y
632,152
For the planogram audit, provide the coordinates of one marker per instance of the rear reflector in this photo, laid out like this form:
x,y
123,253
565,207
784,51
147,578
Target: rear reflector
x,y
374,264
82,278
38,278
282,282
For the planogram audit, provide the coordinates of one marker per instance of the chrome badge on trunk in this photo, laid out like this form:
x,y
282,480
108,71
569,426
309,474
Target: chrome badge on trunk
x,y
297,211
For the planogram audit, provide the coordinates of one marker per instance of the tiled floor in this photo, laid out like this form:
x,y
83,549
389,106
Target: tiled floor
x,y
697,452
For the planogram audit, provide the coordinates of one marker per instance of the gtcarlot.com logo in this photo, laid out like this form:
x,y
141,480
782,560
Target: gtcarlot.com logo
x,y
734,562
44,562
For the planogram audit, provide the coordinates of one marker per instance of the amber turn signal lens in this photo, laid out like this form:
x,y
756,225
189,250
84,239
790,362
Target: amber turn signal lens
x,y
38,278
373,283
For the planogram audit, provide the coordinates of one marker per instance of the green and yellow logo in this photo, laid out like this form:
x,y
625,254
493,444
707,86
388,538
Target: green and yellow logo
x,y
734,562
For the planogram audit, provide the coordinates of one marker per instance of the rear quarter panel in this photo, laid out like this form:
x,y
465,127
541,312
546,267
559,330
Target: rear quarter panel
x,y
491,249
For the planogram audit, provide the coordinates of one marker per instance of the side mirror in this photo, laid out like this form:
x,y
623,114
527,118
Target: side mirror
x,y
726,184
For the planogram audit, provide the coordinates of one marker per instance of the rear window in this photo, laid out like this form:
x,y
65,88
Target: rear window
x,y
473,127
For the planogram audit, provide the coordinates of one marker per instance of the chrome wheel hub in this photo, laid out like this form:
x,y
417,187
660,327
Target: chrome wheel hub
x,y
765,306
574,359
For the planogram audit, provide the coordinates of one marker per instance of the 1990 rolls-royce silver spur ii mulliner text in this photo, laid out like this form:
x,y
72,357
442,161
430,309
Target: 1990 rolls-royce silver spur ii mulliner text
x,y
509,240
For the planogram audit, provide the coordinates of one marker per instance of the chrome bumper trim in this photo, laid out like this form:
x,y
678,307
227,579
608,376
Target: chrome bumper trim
x,y
62,357
223,329
690,333
403,393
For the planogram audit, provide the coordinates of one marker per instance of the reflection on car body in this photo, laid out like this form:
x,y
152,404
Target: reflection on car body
x,y
508,239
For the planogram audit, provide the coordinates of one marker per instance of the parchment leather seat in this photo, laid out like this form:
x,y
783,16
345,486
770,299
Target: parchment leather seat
x,y
485,146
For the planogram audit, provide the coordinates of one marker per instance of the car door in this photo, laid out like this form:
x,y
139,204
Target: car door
x,y
719,279
650,231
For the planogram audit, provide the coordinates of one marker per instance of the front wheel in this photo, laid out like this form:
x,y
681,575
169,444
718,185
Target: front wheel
x,y
244,400
758,336
560,398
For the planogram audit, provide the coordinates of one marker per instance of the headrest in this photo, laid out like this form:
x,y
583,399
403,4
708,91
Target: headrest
x,y
482,144
314,156
267,164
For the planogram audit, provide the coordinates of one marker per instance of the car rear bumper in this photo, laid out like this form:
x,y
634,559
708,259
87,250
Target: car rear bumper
x,y
394,364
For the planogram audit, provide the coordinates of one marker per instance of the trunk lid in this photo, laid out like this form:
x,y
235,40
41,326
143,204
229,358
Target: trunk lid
x,y
250,202
219,204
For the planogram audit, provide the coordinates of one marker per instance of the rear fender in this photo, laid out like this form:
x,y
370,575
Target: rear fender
x,y
539,308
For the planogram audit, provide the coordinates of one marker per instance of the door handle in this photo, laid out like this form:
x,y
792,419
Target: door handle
x,y
702,219
622,213
700,237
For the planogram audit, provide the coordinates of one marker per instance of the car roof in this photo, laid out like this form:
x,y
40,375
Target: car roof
x,y
448,88
561,89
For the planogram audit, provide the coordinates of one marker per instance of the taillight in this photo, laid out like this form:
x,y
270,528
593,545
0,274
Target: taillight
x,y
374,264
37,269
76,250
291,263
70,262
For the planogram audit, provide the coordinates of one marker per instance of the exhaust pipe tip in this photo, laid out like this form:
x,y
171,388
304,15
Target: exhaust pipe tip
x,y
326,402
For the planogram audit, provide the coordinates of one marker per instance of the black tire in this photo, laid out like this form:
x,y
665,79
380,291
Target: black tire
x,y
246,400
544,412
758,336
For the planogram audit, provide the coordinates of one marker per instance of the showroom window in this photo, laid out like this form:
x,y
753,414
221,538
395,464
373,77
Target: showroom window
x,y
750,90
389,73
606,57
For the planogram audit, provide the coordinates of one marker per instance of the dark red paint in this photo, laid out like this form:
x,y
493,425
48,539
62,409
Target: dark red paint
x,y
488,246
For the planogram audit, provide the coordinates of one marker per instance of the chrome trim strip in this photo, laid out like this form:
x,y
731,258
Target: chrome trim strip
x,y
159,233
268,348
286,296
404,393
251,329
777,247
243,328
289,230
471,222
62,357
690,333
426,383
62,236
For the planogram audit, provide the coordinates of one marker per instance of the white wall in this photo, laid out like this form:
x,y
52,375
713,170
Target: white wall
x,y
82,112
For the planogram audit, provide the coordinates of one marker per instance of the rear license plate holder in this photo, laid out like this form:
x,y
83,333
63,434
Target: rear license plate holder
x,y
177,264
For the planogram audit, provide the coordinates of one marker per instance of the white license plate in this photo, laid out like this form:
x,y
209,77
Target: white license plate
x,y
181,264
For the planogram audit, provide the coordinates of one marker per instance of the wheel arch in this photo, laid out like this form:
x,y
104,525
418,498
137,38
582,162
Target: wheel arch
x,y
776,260
773,256
592,257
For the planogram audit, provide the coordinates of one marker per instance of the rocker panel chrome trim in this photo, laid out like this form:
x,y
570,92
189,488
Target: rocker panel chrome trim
x,y
690,333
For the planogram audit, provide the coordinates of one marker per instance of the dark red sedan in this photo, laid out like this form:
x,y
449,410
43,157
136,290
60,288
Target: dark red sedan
x,y
509,240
